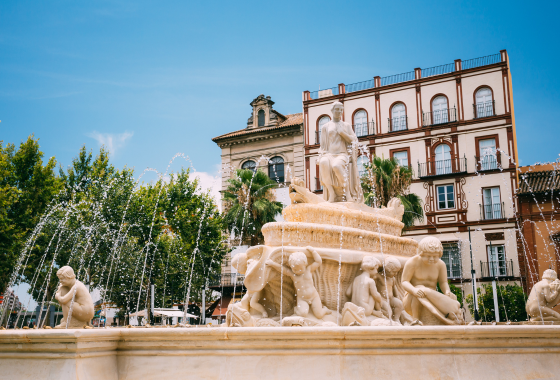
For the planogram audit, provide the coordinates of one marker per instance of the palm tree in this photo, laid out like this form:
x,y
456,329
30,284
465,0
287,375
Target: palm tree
x,y
250,203
385,179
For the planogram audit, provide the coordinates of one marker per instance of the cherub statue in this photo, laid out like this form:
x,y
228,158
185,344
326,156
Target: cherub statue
x,y
73,294
250,299
300,273
543,297
421,275
387,285
363,291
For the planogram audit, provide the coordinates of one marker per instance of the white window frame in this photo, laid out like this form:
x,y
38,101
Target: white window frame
x,y
447,201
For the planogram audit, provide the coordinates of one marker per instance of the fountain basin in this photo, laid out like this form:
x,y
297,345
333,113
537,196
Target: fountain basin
x,y
450,352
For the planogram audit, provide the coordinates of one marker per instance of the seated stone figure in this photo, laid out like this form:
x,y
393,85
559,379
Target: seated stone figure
x,y
543,297
363,291
251,299
421,275
387,286
72,294
300,273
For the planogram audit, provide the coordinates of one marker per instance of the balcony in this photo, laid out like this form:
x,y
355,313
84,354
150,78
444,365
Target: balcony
x,y
484,109
364,129
445,116
317,137
225,280
493,269
398,124
442,167
487,162
492,211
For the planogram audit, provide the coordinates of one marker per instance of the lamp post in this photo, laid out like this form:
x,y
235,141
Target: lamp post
x,y
473,276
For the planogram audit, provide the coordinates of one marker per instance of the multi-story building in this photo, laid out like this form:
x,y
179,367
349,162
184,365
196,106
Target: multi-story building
x,y
539,221
271,142
454,125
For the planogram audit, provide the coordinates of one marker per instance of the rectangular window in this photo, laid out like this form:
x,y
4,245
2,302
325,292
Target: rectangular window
x,y
488,158
496,260
401,157
446,197
452,259
492,204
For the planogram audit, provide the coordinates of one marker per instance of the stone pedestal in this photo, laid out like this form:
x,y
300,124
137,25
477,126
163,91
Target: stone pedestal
x,y
434,352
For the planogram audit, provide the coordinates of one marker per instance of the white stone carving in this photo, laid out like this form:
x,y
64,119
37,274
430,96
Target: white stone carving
x,y
543,297
74,298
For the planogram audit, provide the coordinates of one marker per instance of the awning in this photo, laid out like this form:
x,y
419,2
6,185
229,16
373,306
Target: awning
x,y
166,312
173,313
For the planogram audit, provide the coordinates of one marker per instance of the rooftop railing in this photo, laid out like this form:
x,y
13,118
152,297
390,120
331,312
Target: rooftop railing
x,y
324,93
360,85
481,61
408,76
398,78
438,70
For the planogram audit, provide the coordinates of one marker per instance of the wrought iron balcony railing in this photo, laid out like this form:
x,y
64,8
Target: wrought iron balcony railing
x,y
492,211
493,269
442,167
448,115
484,109
364,129
487,162
226,279
398,124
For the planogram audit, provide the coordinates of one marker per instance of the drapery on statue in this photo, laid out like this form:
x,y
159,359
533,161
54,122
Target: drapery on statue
x,y
421,275
72,294
543,297
338,157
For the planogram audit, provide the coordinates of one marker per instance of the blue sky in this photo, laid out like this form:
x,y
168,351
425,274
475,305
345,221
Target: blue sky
x,y
151,79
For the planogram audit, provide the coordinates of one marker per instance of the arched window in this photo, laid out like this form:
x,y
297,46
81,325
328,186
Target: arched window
x,y
362,161
260,116
276,169
251,165
440,110
360,123
443,159
398,118
322,121
484,106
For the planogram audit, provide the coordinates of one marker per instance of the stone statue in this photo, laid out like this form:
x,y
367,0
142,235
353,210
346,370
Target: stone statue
x,y
73,295
338,155
251,298
543,297
363,291
421,275
387,284
300,273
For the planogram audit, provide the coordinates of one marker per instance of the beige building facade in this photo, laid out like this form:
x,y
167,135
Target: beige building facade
x,y
454,126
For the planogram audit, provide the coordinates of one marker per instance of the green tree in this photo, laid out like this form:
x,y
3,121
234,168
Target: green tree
x,y
27,186
511,303
385,179
250,204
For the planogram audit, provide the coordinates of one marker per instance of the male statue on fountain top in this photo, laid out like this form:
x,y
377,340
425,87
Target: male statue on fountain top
x,y
338,154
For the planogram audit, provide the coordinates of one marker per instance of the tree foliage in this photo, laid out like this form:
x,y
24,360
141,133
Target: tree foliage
x,y
511,303
250,204
385,179
119,235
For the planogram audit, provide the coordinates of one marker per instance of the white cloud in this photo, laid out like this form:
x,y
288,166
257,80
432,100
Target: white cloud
x,y
111,141
213,183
